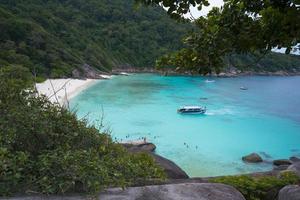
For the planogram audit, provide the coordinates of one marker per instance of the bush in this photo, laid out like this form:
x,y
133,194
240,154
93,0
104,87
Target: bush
x,y
46,149
257,188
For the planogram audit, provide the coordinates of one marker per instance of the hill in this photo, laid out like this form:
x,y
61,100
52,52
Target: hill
x,y
271,62
55,37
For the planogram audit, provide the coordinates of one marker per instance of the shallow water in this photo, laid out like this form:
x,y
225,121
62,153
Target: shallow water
x,y
264,119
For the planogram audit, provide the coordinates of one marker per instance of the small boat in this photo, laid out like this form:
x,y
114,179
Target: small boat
x,y
243,88
124,74
209,81
192,110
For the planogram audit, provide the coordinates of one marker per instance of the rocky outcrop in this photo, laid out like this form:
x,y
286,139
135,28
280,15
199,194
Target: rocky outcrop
x,y
295,167
86,71
148,147
290,192
281,167
252,158
294,159
171,169
282,162
187,191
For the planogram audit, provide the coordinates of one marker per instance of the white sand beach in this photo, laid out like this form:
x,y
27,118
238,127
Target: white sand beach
x,y
62,90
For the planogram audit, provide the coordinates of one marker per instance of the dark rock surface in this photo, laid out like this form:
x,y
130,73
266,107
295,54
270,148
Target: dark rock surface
x,y
290,192
86,71
281,167
149,147
282,162
252,158
172,170
294,159
187,191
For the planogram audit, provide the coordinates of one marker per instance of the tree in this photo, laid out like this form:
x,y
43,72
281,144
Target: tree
x,y
240,26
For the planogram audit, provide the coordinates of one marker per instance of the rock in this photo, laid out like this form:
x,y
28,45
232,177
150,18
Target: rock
x,y
186,191
148,147
295,167
282,162
252,158
294,159
281,167
290,192
170,168
87,71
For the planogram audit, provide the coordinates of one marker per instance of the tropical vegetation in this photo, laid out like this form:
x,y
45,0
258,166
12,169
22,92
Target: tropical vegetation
x,y
52,38
261,187
239,27
44,148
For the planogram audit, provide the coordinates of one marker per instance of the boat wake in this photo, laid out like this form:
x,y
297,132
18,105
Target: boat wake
x,y
223,111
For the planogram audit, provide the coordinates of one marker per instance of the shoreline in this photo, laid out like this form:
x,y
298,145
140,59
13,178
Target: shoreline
x,y
228,74
63,90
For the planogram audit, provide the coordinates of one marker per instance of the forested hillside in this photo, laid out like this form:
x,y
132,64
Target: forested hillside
x,y
53,37
270,62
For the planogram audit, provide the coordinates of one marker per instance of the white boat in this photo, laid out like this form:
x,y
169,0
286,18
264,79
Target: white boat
x,y
243,88
209,81
192,110
124,74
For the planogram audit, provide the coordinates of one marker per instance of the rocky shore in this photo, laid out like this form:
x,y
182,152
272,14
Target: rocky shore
x,y
233,72
179,186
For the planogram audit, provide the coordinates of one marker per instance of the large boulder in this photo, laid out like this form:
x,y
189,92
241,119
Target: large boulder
x,y
295,167
282,162
186,191
281,167
171,169
148,147
294,159
252,158
290,192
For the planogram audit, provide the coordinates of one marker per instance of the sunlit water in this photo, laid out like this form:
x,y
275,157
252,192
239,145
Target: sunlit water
x,y
264,119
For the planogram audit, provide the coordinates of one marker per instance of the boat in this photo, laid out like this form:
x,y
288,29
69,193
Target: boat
x,y
124,74
192,110
243,88
209,81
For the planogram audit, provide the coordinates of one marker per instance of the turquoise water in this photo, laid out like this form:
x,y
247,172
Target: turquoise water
x,y
264,119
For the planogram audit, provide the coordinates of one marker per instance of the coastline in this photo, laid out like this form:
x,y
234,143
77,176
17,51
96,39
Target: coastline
x,y
225,74
62,90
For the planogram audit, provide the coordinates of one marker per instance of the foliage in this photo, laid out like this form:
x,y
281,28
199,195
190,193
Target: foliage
x,y
44,148
52,38
239,27
270,62
257,188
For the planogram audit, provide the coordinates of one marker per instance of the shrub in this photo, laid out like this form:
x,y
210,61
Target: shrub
x,y
257,188
46,149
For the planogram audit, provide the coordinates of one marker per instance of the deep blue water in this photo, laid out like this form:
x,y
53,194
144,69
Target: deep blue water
x,y
265,118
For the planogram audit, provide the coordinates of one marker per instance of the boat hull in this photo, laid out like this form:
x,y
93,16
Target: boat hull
x,y
191,112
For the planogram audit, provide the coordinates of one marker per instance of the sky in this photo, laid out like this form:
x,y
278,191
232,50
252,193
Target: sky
x,y
213,3
218,3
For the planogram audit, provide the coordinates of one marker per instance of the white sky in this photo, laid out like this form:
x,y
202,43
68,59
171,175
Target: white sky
x,y
218,3
213,3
